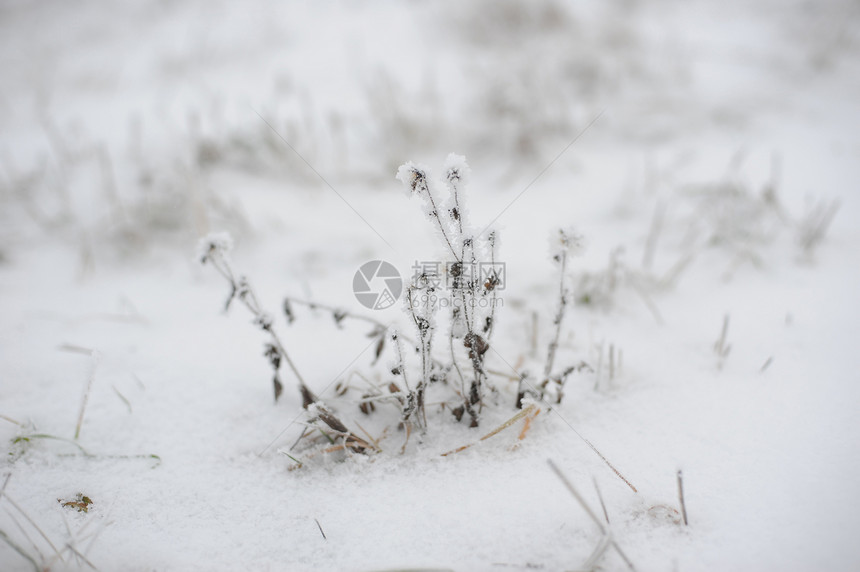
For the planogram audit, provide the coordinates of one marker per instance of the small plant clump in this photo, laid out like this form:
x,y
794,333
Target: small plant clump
x,y
452,312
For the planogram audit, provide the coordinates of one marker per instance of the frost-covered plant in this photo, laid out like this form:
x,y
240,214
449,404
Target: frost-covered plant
x,y
471,276
419,300
453,315
214,249
472,297
565,243
569,242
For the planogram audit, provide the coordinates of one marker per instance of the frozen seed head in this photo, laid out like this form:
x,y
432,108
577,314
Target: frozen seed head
x,y
413,176
457,170
264,321
214,244
567,242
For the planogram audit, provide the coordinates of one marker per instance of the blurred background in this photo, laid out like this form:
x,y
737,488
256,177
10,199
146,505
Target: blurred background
x,y
128,124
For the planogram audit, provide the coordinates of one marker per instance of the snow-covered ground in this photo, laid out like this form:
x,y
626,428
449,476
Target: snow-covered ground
x,y
700,148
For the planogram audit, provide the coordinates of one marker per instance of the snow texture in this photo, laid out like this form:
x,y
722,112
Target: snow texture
x,y
708,153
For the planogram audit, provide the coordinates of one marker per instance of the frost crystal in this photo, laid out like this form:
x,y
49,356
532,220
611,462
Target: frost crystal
x,y
214,244
457,170
567,241
413,176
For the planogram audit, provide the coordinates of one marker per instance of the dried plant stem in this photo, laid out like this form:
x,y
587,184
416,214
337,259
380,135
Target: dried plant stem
x,y
681,497
401,367
335,311
10,420
721,347
96,358
603,529
527,424
611,362
457,365
25,534
81,556
425,338
421,186
600,498
442,227
491,324
610,465
559,316
20,550
242,290
321,530
341,314
499,429
35,526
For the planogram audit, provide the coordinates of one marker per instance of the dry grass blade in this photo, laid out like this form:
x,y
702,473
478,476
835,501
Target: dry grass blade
x,y
607,535
20,527
81,556
524,412
602,504
369,436
10,420
527,425
19,550
681,497
35,526
96,359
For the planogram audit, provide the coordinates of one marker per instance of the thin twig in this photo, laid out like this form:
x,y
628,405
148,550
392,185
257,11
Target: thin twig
x,y
321,529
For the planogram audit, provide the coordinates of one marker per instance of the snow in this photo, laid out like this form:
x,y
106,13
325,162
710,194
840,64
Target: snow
x,y
692,146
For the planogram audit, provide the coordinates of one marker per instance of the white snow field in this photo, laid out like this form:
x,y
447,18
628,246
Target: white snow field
x,y
707,153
